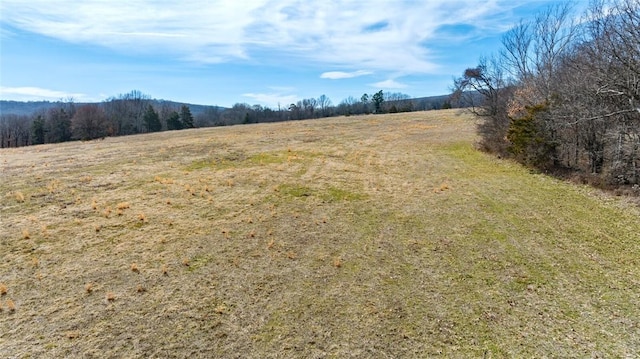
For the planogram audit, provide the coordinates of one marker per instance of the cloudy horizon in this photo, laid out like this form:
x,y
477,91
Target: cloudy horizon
x,y
268,52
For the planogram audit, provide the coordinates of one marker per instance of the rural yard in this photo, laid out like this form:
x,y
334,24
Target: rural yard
x,y
381,236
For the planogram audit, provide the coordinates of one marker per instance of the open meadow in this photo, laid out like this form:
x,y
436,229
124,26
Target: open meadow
x,y
384,236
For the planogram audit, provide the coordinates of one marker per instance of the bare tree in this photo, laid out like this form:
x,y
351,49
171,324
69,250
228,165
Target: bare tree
x,y
309,105
89,122
486,90
324,103
516,50
14,130
126,113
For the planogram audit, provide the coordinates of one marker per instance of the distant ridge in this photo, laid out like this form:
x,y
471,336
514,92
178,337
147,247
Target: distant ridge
x,y
25,108
28,108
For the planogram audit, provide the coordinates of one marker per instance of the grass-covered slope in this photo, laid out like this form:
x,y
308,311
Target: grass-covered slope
x,y
371,237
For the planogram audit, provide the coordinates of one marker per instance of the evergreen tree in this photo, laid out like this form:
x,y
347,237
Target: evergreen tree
x,y
38,130
152,120
378,99
186,117
173,121
58,126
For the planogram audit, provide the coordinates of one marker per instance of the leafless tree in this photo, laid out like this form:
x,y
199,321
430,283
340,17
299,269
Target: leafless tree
x,y
324,103
126,113
89,122
486,91
14,130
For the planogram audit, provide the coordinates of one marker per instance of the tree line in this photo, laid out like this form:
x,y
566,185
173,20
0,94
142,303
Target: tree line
x,y
563,93
135,112
127,114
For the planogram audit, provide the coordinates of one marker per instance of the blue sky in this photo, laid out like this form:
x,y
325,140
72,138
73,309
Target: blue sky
x,y
265,52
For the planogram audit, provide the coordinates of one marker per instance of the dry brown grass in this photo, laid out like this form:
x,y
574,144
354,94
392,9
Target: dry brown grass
x,y
369,237
11,306
19,196
123,205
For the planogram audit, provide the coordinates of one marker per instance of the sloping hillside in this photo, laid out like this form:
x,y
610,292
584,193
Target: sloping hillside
x,y
369,237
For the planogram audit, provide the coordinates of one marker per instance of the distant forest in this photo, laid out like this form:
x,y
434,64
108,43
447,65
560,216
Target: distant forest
x,y
32,123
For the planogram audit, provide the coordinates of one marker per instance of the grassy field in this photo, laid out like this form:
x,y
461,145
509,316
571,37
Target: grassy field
x,y
368,237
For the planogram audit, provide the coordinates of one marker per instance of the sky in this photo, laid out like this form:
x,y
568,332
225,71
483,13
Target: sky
x,y
266,52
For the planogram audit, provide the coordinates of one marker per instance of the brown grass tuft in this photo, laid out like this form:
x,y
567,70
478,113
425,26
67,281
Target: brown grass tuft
x,y
142,218
443,187
88,288
110,296
53,186
3,289
11,306
141,289
72,335
26,234
165,270
43,231
163,180
337,262
106,212
134,268
19,197
185,262
221,309
123,205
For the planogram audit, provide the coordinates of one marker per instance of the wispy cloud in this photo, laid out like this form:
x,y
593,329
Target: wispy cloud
x,y
390,84
336,75
272,100
378,35
38,94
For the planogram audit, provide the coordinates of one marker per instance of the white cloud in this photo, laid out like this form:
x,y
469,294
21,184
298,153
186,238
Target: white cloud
x,y
389,84
37,94
336,75
379,35
272,100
